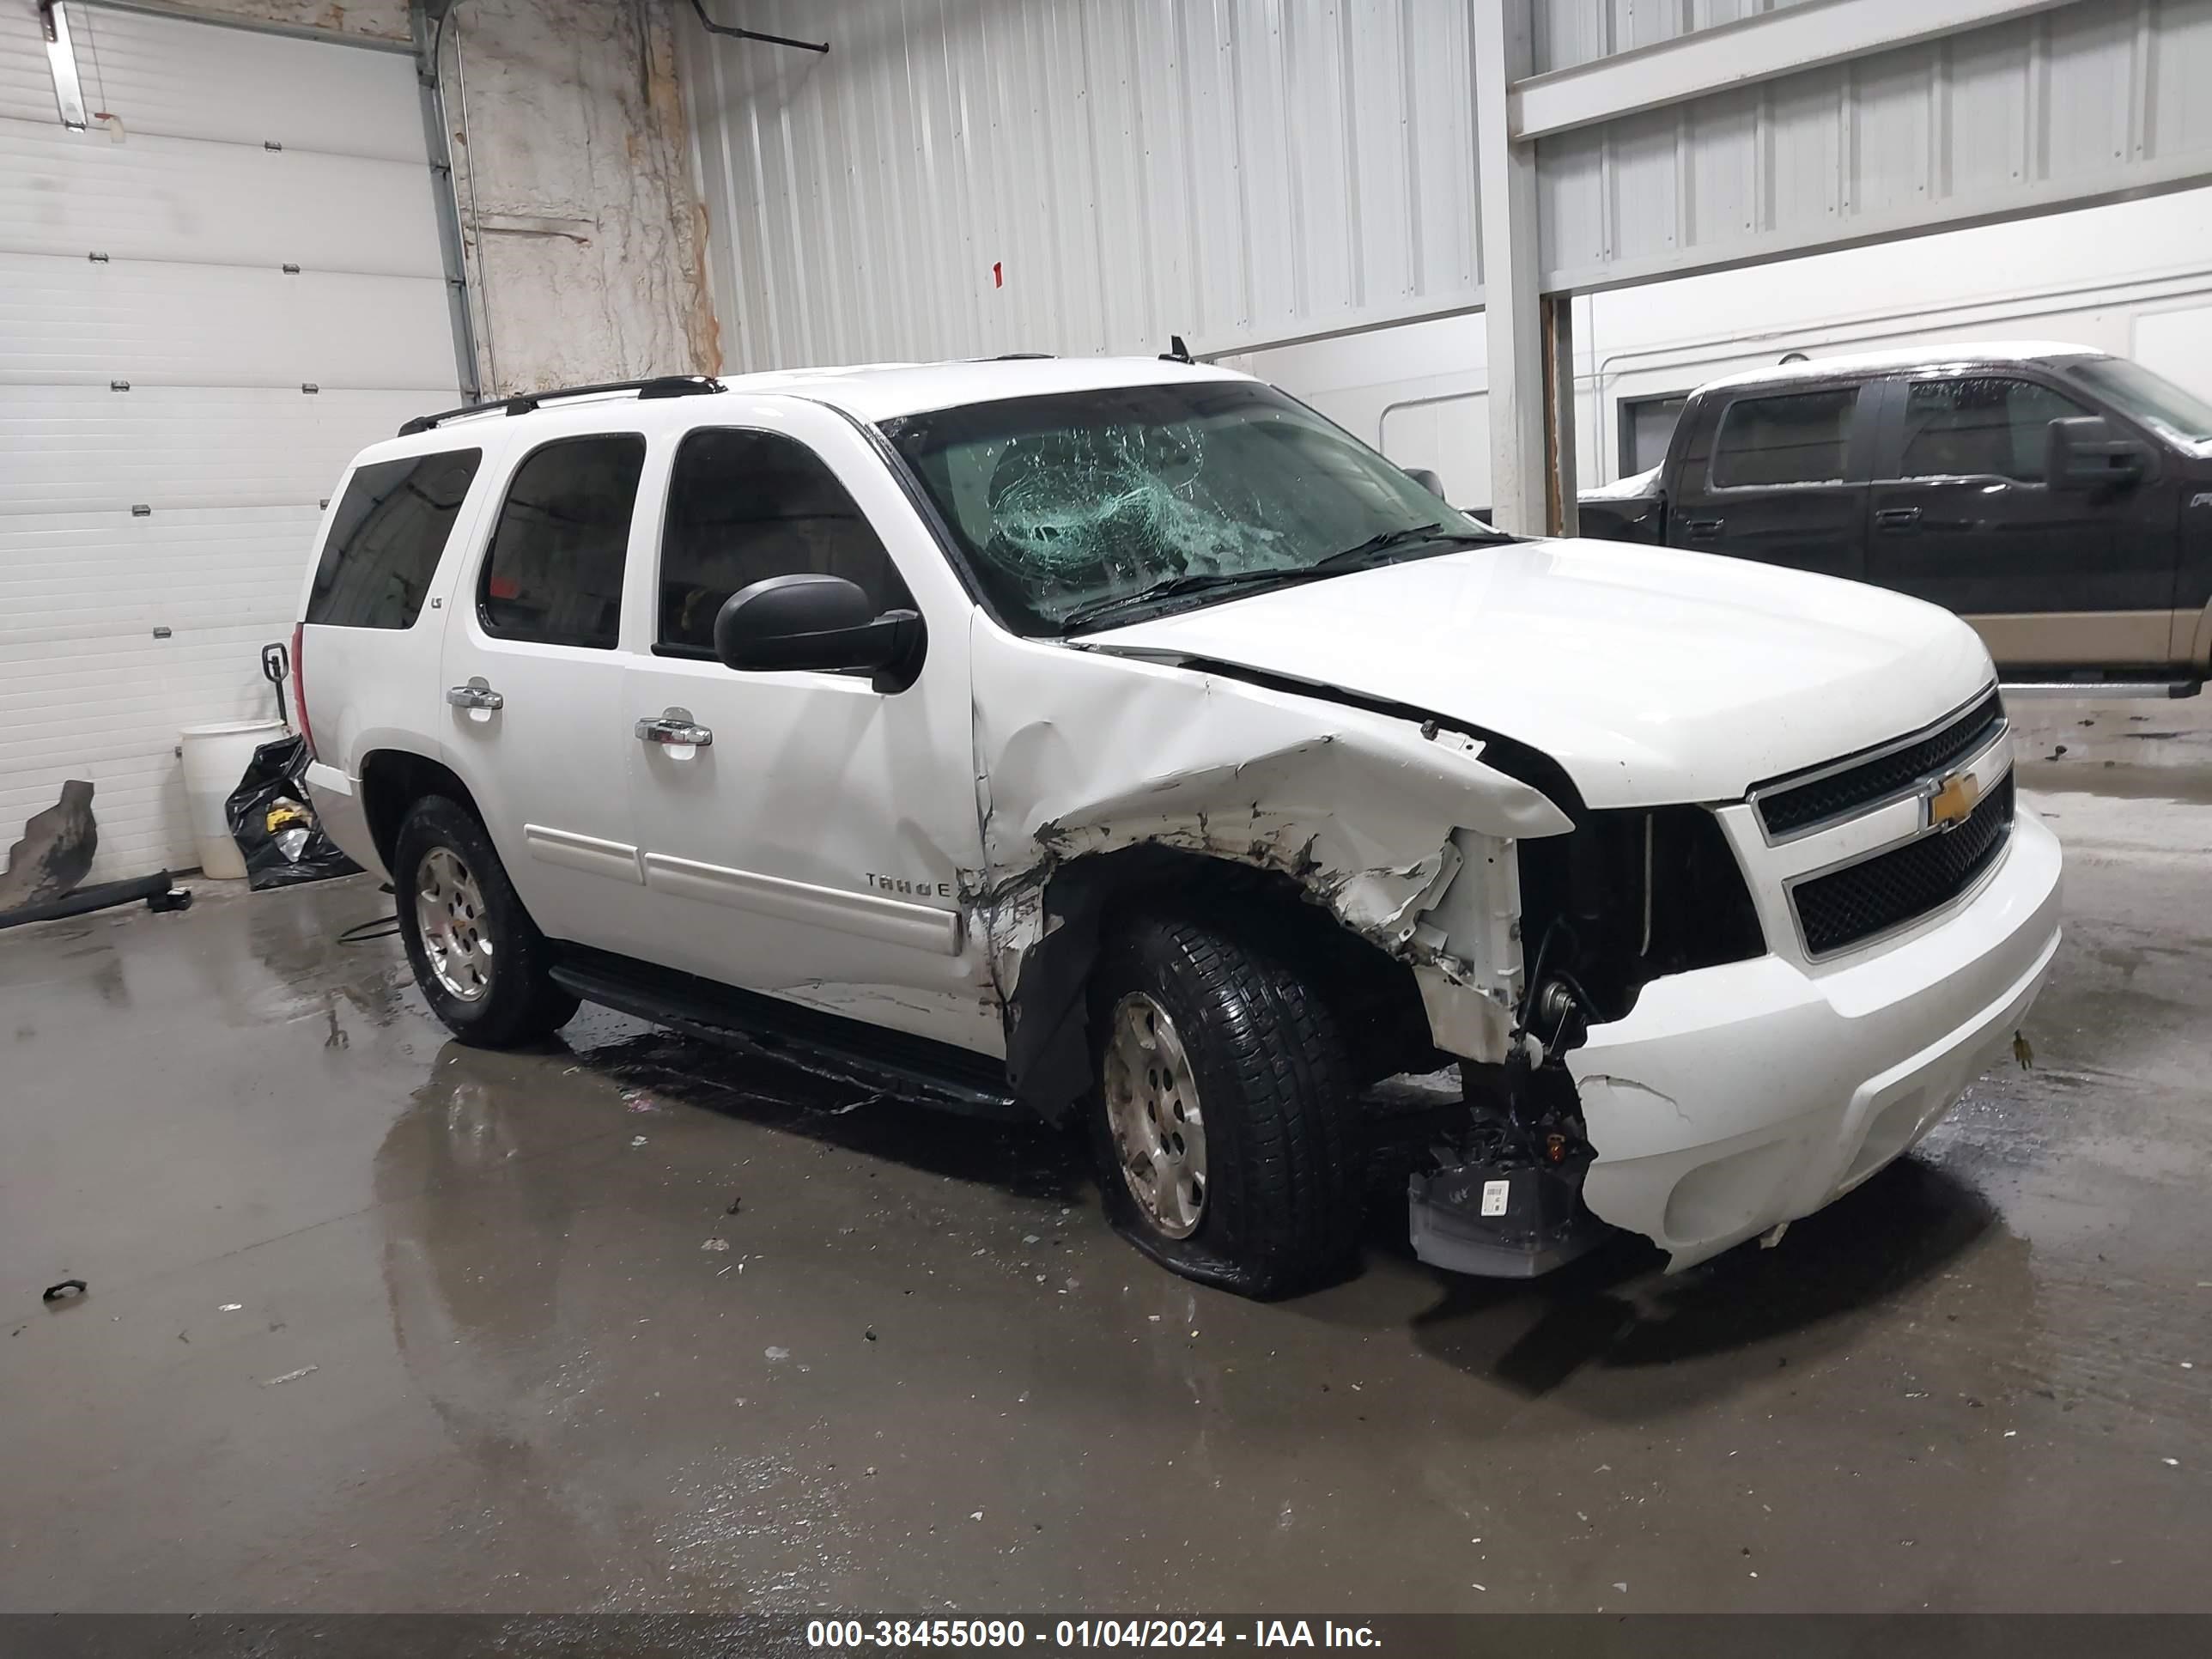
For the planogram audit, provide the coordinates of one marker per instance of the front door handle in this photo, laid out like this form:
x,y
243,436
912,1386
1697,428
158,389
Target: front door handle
x,y
477,694
1897,518
676,728
1701,529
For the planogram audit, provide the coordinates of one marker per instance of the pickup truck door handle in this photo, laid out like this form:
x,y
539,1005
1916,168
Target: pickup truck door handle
x,y
676,728
1897,517
475,694
1701,529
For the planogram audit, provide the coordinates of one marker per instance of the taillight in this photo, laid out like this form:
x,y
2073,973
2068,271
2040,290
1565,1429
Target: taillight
x,y
300,690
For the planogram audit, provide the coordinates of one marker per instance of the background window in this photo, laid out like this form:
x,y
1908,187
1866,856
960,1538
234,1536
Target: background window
x,y
746,506
555,571
1647,426
385,539
1797,439
1979,427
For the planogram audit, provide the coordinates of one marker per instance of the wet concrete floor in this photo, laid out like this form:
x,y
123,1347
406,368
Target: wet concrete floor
x,y
376,1321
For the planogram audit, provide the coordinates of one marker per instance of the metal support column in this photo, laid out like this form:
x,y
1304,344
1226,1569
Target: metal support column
x,y
1561,517
1505,174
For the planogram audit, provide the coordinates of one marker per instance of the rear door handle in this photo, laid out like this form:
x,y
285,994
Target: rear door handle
x,y
475,694
1701,529
1897,518
676,729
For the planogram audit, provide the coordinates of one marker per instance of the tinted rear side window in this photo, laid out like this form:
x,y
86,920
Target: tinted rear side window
x,y
746,506
555,571
1797,439
385,539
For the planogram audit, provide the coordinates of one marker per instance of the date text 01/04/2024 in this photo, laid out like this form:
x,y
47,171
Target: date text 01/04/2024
x,y
1008,1634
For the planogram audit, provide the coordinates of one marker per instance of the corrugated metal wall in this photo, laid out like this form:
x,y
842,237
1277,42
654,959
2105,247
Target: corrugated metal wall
x,y
2089,102
1255,172
1232,171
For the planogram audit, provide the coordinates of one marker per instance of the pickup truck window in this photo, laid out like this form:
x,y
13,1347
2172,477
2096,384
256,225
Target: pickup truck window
x,y
1980,426
1800,437
746,506
1647,427
555,571
385,539
2151,399
1065,503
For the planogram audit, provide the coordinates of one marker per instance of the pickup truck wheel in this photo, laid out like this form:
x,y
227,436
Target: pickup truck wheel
x,y
480,961
1221,1117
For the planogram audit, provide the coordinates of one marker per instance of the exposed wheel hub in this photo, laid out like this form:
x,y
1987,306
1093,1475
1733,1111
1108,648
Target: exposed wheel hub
x,y
449,912
1151,1107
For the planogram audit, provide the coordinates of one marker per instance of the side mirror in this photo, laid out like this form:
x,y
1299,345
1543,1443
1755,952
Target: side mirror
x,y
1427,480
821,622
2081,452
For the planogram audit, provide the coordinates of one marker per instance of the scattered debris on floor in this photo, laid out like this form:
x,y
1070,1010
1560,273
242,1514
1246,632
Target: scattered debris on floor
x,y
68,1289
715,1244
637,1140
777,1354
230,1307
291,1377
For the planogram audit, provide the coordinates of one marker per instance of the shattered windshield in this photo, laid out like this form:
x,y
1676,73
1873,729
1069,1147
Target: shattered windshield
x,y
1080,509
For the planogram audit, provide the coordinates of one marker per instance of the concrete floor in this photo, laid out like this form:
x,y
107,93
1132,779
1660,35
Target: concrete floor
x,y
377,1321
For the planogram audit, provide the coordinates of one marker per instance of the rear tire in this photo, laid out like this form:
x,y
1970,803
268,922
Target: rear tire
x,y
1195,1028
480,961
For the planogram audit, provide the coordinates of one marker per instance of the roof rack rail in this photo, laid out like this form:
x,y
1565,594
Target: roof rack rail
x,y
660,385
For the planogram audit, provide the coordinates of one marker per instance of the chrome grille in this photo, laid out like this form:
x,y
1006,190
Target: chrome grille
x,y
1849,787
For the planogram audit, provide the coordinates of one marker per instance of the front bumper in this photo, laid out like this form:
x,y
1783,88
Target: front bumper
x,y
1737,1098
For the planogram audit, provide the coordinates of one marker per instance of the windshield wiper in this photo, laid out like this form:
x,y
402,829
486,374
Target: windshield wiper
x,y
1390,540
1332,564
1189,582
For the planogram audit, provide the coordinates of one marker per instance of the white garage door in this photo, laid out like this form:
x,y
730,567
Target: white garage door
x,y
209,298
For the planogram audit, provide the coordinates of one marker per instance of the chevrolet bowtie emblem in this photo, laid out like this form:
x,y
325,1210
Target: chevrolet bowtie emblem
x,y
1953,799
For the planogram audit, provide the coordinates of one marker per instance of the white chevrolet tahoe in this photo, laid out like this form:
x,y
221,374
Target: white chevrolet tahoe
x,y
1120,741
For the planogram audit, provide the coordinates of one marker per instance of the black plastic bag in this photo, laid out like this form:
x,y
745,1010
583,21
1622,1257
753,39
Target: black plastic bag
x,y
274,825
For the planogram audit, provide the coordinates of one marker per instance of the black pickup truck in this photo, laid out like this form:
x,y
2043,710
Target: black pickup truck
x,y
2058,499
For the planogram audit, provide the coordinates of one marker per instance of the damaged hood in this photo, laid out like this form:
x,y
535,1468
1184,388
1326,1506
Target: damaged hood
x,y
1652,675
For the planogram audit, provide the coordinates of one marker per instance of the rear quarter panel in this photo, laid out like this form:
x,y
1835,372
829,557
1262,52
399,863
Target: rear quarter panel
x,y
377,688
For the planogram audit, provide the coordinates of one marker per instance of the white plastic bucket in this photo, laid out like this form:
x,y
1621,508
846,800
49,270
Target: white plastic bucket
x,y
216,758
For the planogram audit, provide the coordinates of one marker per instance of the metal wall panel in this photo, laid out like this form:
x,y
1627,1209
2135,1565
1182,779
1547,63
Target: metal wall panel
x,y
2088,102
1567,34
87,449
214,436
68,322
244,86
152,198
963,177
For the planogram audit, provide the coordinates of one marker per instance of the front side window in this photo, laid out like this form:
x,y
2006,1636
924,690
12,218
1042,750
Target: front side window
x,y
1980,426
385,539
554,574
1799,438
1079,509
746,506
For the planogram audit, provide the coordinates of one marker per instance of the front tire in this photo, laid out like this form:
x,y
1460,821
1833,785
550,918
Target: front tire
x,y
480,961
1222,1117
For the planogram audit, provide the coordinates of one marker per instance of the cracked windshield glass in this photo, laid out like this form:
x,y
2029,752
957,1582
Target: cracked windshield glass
x,y
1087,509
